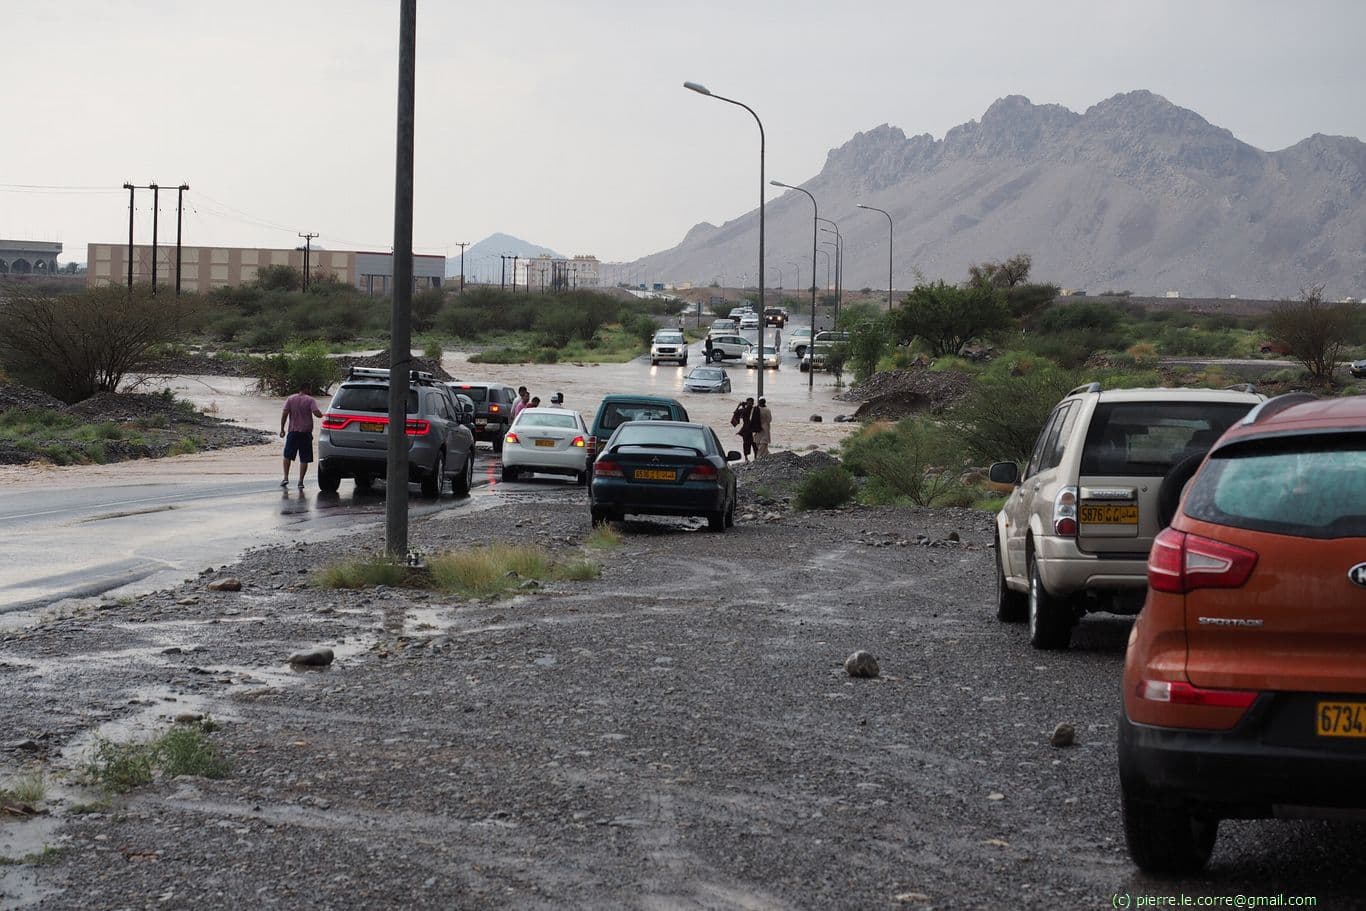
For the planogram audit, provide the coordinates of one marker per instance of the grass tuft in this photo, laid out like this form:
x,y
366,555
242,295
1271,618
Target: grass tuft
x,y
604,537
183,750
361,574
485,571
29,788
580,570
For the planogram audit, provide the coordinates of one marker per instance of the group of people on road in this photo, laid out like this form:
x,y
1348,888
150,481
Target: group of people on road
x,y
755,423
526,400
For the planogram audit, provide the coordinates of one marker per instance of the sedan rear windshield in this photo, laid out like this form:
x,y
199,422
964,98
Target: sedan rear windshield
x,y
1307,487
1145,439
706,374
545,419
661,435
369,398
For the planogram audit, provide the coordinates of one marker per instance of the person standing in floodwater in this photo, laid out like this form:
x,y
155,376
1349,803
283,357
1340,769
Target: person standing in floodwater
x,y
298,413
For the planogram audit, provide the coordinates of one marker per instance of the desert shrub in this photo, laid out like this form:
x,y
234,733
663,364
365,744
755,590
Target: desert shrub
x,y
948,317
1001,418
282,374
869,340
76,345
825,489
915,460
1144,354
424,307
547,356
432,351
1071,348
1082,315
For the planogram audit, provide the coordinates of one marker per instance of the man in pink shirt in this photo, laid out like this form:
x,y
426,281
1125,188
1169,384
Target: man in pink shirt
x,y
298,414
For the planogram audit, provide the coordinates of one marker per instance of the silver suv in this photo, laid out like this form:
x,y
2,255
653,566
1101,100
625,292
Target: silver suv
x,y
1104,478
354,443
669,345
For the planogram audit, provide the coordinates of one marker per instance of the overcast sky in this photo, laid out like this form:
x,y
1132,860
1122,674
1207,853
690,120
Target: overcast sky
x,y
565,123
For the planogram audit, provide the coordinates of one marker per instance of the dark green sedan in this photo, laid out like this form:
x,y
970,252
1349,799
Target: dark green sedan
x,y
664,468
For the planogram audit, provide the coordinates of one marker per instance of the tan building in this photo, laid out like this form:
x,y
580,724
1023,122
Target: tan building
x,y
206,268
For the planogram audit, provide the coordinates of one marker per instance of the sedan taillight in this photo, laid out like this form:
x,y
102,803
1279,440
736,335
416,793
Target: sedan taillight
x,y
608,469
1181,562
511,438
577,442
703,473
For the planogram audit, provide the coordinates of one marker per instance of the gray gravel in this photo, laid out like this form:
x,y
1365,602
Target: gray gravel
x,y
680,733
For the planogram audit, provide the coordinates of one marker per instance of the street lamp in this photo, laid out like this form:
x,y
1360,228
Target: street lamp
x,y
816,217
889,250
839,266
826,254
703,90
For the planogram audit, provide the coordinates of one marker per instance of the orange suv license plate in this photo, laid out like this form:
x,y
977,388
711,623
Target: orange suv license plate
x,y
1342,719
1108,515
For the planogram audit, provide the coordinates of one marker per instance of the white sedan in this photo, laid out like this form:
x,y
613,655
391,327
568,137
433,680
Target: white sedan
x,y
548,441
749,321
770,357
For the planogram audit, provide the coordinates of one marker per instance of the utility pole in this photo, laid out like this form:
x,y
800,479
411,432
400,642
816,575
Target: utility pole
x,y
515,257
156,190
179,212
308,249
400,337
503,280
130,188
462,245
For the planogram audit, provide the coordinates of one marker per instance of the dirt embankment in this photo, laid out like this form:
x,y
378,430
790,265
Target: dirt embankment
x,y
895,394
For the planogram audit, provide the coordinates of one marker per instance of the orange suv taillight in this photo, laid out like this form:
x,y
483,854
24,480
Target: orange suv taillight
x,y
1179,693
1180,562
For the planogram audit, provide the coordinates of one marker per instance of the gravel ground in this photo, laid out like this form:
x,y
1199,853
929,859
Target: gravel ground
x,y
679,733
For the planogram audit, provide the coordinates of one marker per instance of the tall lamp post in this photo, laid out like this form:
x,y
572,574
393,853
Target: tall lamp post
x,y
839,266
826,254
703,90
815,224
889,250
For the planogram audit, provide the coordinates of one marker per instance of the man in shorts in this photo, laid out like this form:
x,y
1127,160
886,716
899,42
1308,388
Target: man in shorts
x,y
297,416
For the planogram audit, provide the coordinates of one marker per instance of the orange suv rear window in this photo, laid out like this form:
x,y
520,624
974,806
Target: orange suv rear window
x,y
1306,487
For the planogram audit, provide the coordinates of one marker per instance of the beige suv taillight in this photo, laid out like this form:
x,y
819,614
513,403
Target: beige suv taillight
x,y
1065,512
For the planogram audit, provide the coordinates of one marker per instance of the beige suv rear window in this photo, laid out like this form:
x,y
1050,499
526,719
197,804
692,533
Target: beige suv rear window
x,y
1145,439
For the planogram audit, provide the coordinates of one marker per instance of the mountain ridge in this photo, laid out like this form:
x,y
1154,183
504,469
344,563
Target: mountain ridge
x,y
1135,192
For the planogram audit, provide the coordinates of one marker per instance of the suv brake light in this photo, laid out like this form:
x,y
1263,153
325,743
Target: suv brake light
x,y
1179,693
1065,512
1180,562
417,427
608,470
592,446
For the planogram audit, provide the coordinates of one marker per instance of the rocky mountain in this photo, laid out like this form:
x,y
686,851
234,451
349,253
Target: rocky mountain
x,y
1136,193
481,259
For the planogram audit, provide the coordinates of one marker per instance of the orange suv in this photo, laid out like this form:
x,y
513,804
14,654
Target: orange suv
x,y
1245,678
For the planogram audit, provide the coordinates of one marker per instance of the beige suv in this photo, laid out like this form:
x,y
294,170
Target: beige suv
x,y
1103,480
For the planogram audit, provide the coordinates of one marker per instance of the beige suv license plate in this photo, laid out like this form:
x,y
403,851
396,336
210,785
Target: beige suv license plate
x,y
1093,514
1341,719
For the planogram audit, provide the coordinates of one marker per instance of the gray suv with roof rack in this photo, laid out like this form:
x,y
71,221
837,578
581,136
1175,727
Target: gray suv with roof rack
x,y
353,441
1105,475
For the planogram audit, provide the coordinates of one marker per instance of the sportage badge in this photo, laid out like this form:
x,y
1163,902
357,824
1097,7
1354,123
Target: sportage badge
x,y
1358,574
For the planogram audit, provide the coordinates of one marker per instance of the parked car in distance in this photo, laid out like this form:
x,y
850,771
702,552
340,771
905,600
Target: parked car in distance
x,y
1357,368
668,345
353,439
798,339
664,468
770,357
775,316
492,409
821,343
729,347
1244,684
707,379
1274,346
749,320
724,325
618,408
1073,536
547,441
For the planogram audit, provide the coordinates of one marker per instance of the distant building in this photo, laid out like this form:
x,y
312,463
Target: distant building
x,y
206,268
551,273
1172,294
28,257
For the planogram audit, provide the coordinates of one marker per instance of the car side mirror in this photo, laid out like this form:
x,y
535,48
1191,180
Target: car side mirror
x,y
1004,473
733,456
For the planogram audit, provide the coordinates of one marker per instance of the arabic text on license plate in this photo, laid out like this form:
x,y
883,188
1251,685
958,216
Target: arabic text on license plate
x,y
1341,719
545,442
1094,514
652,474
372,428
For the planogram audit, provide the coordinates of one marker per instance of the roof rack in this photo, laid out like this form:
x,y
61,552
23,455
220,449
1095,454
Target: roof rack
x,y
1275,406
382,373
1089,387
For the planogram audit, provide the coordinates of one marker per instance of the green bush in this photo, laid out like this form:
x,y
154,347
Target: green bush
x,y
917,461
282,374
1068,317
1002,416
825,489
869,340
